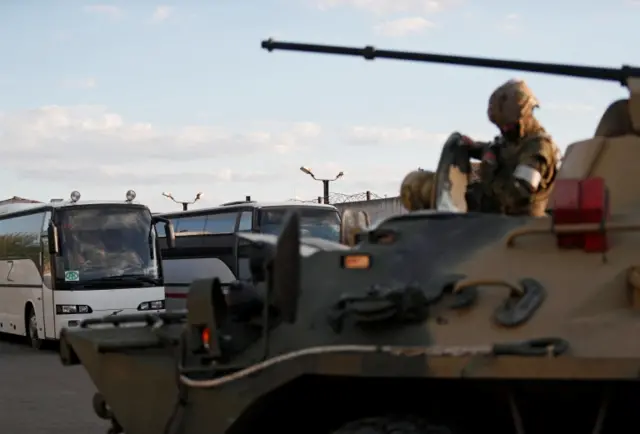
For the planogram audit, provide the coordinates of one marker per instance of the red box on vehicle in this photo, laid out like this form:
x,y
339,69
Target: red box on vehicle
x,y
577,201
566,210
594,205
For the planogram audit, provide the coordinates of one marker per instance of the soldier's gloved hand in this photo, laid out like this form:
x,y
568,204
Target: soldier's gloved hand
x,y
489,162
468,141
476,148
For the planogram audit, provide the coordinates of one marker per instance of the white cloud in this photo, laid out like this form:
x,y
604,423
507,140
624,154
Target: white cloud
x,y
161,13
85,83
49,151
393,135
96,145
403,26
108,10
387,7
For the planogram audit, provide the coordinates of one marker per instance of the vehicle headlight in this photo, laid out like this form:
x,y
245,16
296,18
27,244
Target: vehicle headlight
x,y
152,305
70,309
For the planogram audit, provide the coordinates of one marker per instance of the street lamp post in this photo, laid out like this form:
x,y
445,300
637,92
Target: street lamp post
x,y
185,205
325,182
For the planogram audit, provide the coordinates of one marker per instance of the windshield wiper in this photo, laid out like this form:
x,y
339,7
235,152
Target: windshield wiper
x,y
125,278
140,277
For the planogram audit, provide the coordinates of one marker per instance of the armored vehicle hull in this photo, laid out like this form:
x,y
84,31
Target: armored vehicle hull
x,y
392,340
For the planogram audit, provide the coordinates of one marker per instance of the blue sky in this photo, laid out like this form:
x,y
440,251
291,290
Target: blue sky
x,y
107,96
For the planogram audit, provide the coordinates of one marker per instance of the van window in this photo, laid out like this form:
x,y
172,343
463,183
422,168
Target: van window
x,y
245,222
314,222
191,224
222,223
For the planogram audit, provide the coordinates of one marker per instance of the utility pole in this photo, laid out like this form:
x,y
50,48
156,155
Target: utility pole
x,y
325,182
185,205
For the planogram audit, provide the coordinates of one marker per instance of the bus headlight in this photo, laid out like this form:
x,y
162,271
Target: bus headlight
x,y
152,305
70,309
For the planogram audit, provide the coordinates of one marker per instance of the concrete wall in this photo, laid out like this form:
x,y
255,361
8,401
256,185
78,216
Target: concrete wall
x,y
376,208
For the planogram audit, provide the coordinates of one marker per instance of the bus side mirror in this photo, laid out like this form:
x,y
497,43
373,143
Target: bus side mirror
x,y
52,235
170,235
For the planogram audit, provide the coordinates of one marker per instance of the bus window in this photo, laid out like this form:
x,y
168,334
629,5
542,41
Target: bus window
x,y
3,238
223,223
22,237
245,222
191,224
314,222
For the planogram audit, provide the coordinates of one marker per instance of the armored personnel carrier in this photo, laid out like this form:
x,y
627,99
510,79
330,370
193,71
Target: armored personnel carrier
x,y
435,321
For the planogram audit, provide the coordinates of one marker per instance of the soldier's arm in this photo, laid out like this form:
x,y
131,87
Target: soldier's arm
x,y
476,149
537,159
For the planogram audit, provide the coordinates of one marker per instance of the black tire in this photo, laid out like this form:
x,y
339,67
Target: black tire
x,y
392,425
31,325
100,407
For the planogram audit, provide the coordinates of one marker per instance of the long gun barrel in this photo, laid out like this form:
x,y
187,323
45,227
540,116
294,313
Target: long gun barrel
x,y
620,75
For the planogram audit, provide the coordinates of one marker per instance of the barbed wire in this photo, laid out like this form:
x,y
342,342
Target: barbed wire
x,y
344,198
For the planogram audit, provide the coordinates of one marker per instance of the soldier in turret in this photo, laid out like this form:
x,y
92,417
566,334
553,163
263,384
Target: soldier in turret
x,y
518,168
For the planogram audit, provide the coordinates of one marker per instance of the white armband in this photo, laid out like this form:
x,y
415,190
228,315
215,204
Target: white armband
x,y
529,175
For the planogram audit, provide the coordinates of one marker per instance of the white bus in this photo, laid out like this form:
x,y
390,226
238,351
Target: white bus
x,y
64,262
206,245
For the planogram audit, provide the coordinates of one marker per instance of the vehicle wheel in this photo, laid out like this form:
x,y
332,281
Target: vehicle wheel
x,y
32,330
100,406
391,425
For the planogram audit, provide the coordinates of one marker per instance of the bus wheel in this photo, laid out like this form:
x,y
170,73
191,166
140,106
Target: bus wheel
x,y
32,329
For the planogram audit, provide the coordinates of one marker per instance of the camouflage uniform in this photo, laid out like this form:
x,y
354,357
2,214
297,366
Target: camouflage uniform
x,y
518,168
518,171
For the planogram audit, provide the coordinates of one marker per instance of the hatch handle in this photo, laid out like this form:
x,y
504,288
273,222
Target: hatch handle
x,y
570,229
473,283
523,301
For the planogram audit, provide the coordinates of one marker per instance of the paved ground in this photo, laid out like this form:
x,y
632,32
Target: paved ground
x,y
38,395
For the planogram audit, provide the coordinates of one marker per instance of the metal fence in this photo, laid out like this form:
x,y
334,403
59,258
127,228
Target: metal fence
x,y
336,198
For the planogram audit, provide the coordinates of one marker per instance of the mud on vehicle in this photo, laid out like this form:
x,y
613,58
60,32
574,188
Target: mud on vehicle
x,y
438,321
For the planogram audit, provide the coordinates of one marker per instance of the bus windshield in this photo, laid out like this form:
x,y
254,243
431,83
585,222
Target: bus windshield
x,y
314,222
104,243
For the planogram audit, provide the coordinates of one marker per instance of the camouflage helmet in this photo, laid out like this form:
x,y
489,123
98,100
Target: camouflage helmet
x,y
416,190
511,103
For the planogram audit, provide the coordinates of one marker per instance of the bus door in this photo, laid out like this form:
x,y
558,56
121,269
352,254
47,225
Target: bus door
x,y
48,297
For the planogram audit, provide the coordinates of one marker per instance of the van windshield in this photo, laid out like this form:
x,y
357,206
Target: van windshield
x,y
314,222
